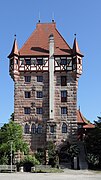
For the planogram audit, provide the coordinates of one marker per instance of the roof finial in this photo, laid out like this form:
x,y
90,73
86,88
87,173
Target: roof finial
x,y
52,16
15,36
75,35
39,18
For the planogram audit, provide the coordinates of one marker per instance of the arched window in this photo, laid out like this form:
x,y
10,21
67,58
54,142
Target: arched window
x,y
33,129
64,128
26,130
39,130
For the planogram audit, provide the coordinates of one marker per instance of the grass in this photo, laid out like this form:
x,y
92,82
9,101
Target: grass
x,y
48,170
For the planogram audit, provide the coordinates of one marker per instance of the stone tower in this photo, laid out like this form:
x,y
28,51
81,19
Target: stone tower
x,y
45,73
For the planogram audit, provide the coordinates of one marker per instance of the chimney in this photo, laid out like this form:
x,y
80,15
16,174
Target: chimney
x,y
51,45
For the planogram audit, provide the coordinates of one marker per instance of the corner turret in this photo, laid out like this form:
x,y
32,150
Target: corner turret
x,y
13,57
77,58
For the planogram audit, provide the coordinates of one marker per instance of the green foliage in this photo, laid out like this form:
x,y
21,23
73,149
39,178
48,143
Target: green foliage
x,y
40,155
30,159
73,150
4,160
51,149
52,154
28,162
93,144
11,133
93,159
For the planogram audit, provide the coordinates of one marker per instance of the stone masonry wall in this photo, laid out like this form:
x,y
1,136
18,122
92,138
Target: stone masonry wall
x,y
70,118
35,140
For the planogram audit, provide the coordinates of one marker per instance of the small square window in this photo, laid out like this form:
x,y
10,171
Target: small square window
x,y
63,110
63,61
27,79
27,94
39,110
39,94
39,78
27,61
63,80
40,61
27,110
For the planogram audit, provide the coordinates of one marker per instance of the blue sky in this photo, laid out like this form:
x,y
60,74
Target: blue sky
x,y
82,17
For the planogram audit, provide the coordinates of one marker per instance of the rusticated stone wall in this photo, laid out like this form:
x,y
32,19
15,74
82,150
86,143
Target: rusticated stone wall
x,y
71,118
36,140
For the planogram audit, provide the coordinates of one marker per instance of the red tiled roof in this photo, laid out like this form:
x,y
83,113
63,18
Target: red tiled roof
x,y
87,126
14,50
76,49
38,42
82,120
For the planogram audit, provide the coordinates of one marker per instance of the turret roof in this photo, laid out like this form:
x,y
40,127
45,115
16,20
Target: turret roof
x,y
76,49
14,50
83,121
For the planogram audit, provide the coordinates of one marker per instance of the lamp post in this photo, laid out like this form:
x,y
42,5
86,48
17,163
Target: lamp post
x,y
11,155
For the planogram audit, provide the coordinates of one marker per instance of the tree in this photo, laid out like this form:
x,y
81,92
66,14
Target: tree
x,y
93,145
52,153
11,133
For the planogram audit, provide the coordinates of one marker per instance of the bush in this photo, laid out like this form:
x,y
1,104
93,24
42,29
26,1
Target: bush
x,y
28,162
93,161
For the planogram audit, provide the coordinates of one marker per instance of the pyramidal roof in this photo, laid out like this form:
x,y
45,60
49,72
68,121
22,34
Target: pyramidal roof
x,y
14,50
38,43
76,49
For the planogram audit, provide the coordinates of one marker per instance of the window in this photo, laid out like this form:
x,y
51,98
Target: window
x,y
27,94
27,110
27,79
16,61
80,126
26,130
33,129
39,129
39,78
79,60
63,96
64,128
11,62
40,61
52,128
63,61
27,61
39,94
39,110
63,110
63,80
